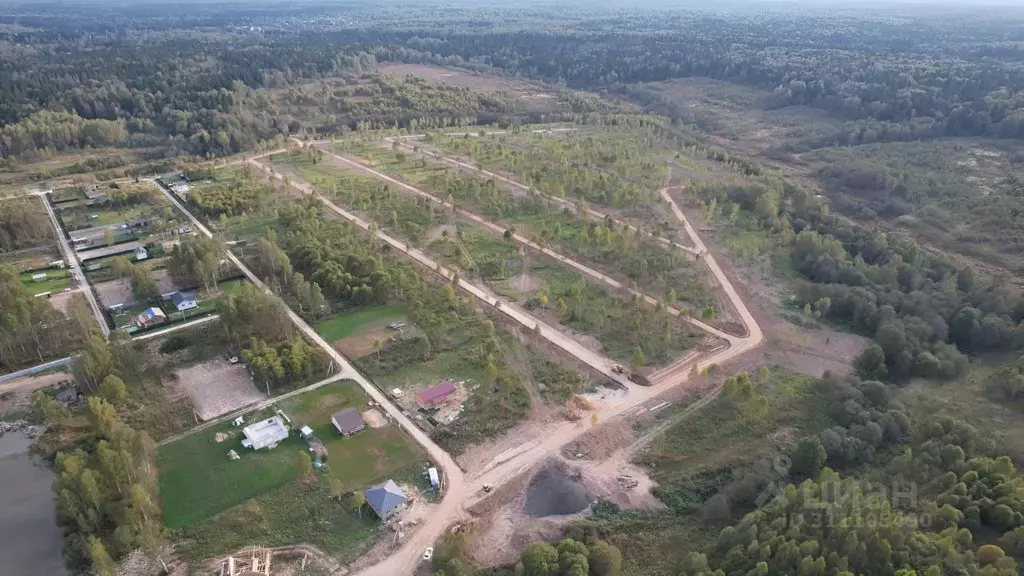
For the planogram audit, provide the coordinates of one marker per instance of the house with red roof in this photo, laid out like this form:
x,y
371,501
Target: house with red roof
x,y
435,395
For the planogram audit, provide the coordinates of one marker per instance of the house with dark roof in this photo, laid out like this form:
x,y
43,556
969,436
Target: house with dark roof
x,y
385,498
183,300
348,421
435,395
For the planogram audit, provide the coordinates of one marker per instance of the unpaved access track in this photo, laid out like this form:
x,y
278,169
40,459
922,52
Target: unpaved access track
x,y
461,493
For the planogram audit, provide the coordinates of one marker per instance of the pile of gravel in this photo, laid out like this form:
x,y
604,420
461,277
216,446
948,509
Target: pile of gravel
x,y
28,430
556,491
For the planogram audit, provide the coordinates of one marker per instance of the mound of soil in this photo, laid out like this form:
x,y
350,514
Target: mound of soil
x,y
556,491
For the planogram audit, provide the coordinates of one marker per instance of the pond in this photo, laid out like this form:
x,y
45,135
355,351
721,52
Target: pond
x,y
30,540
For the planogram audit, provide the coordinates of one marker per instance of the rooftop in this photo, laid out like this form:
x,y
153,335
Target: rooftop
x,y
385,497
435,393
265,433
348,420
179,297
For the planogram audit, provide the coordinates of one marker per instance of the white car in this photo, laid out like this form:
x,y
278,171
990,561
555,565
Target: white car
x,y
428,553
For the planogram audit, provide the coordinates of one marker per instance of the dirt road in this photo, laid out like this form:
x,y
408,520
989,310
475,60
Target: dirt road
x,y
583,268
506,466
76,270
561,201
548,332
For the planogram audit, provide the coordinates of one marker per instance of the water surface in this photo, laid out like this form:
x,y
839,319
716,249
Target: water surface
x,y
29,536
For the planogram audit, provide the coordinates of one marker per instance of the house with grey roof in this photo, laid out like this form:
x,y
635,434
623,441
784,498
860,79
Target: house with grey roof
x,y
183,300
385,498
265,434
348,421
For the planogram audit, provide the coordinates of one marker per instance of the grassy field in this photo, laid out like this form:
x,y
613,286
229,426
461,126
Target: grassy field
x,y
198,481
56,281
350,324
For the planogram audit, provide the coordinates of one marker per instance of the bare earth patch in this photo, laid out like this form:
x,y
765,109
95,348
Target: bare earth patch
x,y
61,300
217,387
17,393
373,418
163,280
114,292
362,344
464,79
438,232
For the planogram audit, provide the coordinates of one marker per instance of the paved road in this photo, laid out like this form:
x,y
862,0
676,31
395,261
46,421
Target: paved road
x,y
76,269
405,560
551,334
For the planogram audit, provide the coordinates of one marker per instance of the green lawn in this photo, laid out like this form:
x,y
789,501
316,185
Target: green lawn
x,y
198,481
56,281
351,323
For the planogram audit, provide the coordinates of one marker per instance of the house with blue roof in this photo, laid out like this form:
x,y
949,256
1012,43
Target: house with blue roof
x,y
385,498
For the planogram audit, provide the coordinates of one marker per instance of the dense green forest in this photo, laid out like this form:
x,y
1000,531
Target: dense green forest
x,y
127,74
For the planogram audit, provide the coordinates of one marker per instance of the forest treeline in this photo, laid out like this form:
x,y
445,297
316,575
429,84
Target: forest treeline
x,y
924,312
150,78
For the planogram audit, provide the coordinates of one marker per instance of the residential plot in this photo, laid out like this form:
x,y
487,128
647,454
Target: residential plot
x,y
42,281
367,330
216,504
217,387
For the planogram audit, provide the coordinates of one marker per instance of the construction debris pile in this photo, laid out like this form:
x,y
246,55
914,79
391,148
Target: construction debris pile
x,y
253,562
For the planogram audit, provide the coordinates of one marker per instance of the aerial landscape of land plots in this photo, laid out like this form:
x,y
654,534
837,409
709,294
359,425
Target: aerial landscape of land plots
x,y
475,290
396,320
124,234
528,249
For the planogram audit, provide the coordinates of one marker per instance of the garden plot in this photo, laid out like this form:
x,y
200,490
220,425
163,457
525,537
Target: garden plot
x,y
114,292
215,505
363,332
217,387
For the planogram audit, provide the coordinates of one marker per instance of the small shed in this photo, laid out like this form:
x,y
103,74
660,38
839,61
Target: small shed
x,y
348,421
149,317
141,254
263,434
436,395
306,432
435,480
385,498
39,276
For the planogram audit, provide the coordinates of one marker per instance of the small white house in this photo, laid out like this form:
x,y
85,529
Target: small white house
x,y
264,434
141,254
183,300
